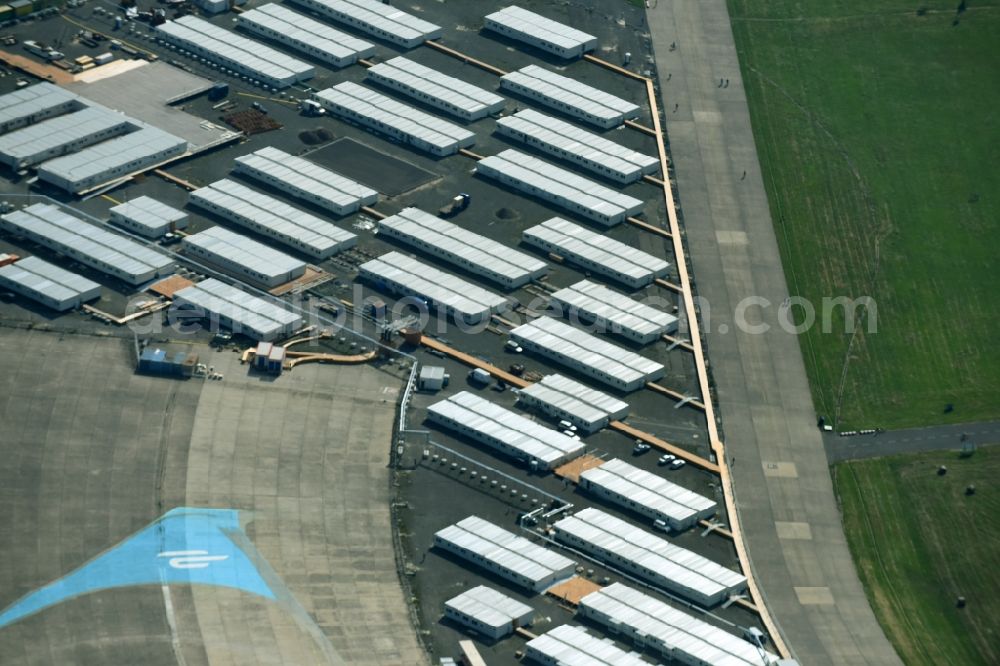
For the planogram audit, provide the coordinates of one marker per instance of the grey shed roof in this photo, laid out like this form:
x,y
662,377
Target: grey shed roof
x,y
40,276
245,252
489,606
617,310
569,645
309,31
375,17
448,89
579,399
542,28
61,130
564,90
30,100
147,211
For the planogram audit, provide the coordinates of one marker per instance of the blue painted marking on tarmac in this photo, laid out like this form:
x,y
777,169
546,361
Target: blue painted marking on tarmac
x,y
182,547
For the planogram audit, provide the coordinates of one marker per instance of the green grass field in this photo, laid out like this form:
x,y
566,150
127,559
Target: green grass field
x,y
919,543
879,136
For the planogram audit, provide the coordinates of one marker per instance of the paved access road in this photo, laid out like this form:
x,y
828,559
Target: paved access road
x,y
910,440
782,482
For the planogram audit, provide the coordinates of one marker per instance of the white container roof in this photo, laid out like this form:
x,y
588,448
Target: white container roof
x,y
541,27
492,608
60,130
277,217
576,241
672,629
571,92
569,645
148,212
684,567
506,549
400,117
649,490
309,31
522,434
144,144
432,284
30,100
457,92
236,49
245,251
596,300
460,244
585,403
47,279
587,145
61,228
301,174
245,309
587,349
372,14
560,183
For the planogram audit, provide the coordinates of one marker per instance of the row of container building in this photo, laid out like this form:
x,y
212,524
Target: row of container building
x,y
373,110
645,555
559,186
48,225
236,310
77,145
569,645
596,253
377,19
60,135
585,149
569,96
273,218
587,354
244,56
505,431
242,257
613,313
647,494
488,612
670,633
541,32
433,88
148,217
301,179
449,295
511,557
47,284
566,399
475,253
305,35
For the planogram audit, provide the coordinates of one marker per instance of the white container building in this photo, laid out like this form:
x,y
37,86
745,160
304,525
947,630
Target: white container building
x,y
455,96
568,645
476,254
449,295
596,253
507,555
647,494
61,135
237,310
148,217
587,354
667,631
305,180
47,284
112,160
569,142
273,218
647,556
488,612
243,257
496,427
541,32
93,246
560,187
363,106
32,104
568,400
613,312
244,56
377,19
569,96
305,35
